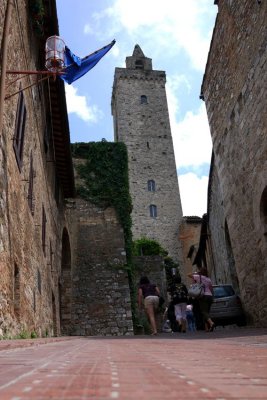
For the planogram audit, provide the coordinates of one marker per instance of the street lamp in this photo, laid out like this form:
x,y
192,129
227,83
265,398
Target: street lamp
x,y
54,54
54,62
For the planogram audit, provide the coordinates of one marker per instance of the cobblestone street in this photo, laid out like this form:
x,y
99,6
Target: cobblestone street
x,y
225,364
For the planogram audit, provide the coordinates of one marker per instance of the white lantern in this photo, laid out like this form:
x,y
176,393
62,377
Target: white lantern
x,y
54,54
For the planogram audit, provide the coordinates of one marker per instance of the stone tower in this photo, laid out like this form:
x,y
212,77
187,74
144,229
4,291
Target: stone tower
x,y
141,121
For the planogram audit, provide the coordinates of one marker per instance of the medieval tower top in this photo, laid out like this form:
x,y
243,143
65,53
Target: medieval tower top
x,y
141,121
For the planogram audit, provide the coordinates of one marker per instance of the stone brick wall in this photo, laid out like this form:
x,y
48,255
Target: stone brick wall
x,y
153,268
145,129
100,294
189,235
30,268
222,269
234,91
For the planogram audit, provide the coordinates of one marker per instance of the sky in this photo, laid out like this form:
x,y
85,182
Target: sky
x,y
176,34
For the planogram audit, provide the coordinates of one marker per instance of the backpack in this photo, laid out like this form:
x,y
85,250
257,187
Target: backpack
x,y
179,294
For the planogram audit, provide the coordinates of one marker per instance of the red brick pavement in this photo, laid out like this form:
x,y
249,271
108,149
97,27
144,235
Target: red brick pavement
x,y
220,365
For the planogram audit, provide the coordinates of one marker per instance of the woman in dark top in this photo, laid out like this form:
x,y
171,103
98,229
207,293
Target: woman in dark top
x,y
149,293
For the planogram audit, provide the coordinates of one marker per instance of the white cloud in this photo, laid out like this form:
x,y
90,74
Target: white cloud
x,y
78,105
88,29
193,192
191,136
169,28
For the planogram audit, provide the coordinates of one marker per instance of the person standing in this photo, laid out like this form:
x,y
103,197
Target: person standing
x,y
179,293
205,302
148,294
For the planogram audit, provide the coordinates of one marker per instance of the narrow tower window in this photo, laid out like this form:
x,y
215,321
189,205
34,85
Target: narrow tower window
x,y
153,211
151,186
143,99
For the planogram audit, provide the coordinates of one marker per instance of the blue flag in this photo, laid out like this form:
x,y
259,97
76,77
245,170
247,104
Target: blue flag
x,y
77,67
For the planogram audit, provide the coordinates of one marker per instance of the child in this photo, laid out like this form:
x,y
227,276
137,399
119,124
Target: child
x,y
190,318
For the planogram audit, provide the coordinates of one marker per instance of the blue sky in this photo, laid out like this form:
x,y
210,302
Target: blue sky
x,y
176,35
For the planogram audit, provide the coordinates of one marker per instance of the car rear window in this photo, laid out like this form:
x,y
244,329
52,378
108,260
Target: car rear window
x,y
223,291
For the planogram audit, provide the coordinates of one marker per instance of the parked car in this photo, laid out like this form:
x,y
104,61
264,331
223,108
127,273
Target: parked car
x,y
227,308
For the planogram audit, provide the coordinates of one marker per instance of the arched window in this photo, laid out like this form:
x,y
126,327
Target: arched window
x,y
151,186
143,99
153,211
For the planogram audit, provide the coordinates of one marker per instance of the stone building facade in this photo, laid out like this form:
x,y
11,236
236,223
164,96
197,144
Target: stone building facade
x,y
219,248
234,91
189,234
36,176
141,121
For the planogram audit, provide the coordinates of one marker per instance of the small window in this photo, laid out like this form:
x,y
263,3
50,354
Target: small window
x,y
19,130
44,231
30,190
139,64
143,99
153,211
151,186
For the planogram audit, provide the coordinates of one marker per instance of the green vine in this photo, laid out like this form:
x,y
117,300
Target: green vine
x,y
105,180
148,247
37,12
104,176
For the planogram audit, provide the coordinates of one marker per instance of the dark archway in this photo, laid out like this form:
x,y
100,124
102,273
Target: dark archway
x,y
65,284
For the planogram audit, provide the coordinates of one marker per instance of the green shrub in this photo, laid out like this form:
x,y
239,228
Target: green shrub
x,y
148,247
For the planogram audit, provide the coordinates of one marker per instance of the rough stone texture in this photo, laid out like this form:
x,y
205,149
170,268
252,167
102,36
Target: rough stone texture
x,y
189,236
29,297
145,129
100,301
223,263
153,268
234,90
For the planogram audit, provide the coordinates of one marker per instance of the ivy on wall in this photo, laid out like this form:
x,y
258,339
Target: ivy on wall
x,y
37,13
148,247
105,181
104,176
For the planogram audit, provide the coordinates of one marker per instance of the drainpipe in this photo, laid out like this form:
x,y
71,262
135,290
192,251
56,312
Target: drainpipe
x,y
4,60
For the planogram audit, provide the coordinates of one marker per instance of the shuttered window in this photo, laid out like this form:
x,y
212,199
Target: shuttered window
x,y
30,190
44,231
19,130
